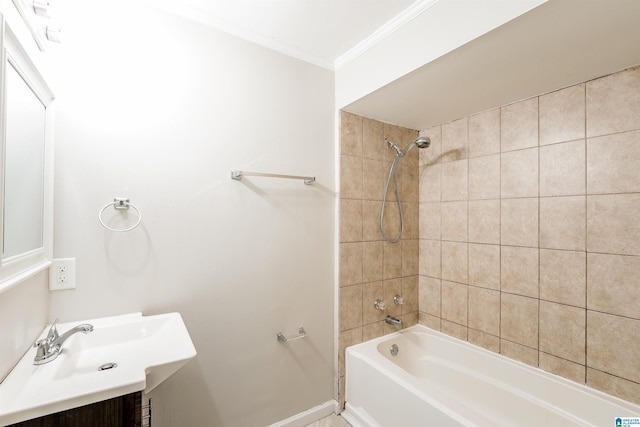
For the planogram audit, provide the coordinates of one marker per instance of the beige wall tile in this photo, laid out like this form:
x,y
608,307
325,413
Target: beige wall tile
x,y
613,224
613,284
454,221
429,295
611,343
562,169
430,258
430,217
350,177
484,221
454,302
372,261
392,260
519,173
555,365
430,187
370,293
484,340
454,329
613,163
411,218
484,133
395,134
409,294
391,222
519,319
371,220
350,307
616,386
484,310
519,125
613,103
374,178
562,331
454,180
563,223
392,288
484,266
433,154
519,271
519,352
563,277
562,115
350,134
409,319
350,220
410,255
350,263
484,177
455,143
346,339
373,143
409,185
519,222
430,321
372,331
454,262
411,159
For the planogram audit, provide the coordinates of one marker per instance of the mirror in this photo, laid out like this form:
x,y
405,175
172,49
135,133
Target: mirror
x,y
24,167
26,178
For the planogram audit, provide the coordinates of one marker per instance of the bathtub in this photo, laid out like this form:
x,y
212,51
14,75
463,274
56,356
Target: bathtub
x,y
436,380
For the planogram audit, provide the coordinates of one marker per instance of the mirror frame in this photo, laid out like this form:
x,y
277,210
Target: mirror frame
x,y
15,269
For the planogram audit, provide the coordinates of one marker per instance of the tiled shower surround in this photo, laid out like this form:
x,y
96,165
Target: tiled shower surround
x,y
529,232
371,269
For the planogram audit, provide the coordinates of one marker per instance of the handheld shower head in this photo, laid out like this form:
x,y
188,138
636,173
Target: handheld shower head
x,y
423,142
420,142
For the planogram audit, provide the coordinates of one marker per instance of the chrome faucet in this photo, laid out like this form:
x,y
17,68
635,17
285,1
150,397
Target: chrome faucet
x,y
50,347
394,321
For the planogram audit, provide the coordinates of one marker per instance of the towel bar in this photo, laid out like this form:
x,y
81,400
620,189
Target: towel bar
x,y
238,174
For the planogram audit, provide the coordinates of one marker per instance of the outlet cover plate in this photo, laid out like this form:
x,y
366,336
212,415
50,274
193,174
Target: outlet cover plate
x,y
62,274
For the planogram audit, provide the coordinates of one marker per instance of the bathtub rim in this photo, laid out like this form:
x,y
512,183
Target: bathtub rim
x,y
363,351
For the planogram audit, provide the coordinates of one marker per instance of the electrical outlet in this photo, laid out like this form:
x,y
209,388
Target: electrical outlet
x,y
63,274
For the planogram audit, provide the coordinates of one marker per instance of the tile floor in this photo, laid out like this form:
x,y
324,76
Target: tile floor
x,y
332,420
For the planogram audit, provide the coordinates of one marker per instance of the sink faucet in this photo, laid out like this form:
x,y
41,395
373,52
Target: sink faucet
x,y
50,347
394,321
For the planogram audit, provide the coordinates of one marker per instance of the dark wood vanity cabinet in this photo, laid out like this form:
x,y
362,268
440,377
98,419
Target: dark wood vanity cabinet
x,y
123,411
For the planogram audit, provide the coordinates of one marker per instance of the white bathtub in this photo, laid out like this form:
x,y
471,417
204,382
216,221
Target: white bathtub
x,y
436,380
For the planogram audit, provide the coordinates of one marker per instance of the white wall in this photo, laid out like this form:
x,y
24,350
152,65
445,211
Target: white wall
x,y
159,109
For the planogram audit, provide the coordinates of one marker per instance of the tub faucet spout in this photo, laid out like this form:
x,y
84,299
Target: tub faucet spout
x,y
394,321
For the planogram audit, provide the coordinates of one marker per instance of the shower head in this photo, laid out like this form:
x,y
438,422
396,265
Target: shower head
x,y
423,142
420,142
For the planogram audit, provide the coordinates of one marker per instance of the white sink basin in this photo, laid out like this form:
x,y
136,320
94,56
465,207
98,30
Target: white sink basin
x,y
146,349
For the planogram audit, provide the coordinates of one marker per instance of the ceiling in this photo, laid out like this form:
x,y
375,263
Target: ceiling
x,y
557,44
554,45
323,32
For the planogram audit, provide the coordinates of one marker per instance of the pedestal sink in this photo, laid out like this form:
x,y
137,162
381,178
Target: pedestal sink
x,y
122,355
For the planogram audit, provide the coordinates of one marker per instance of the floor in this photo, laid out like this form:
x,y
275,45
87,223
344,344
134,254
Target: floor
x,y
332,420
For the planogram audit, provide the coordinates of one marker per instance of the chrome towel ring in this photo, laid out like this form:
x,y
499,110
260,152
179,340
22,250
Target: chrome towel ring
x,y
120,203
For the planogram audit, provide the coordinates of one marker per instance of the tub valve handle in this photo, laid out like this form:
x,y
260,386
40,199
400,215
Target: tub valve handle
x,y
378,304
398,300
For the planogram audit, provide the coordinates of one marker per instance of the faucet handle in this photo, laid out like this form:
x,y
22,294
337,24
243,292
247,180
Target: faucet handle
x,y
378,304
53,331
398,300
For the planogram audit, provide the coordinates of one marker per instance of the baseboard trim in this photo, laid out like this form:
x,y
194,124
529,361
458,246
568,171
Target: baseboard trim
x,y
309,416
